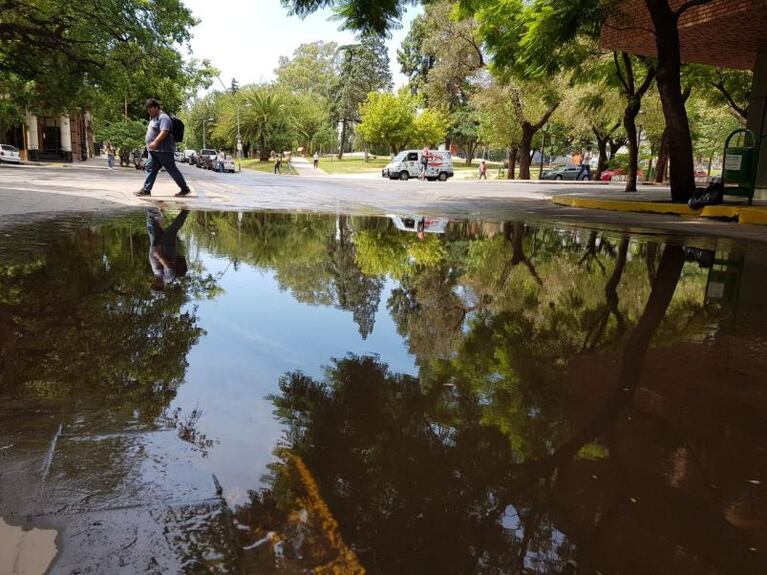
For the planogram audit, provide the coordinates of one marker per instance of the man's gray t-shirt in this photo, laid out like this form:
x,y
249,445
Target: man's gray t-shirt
x,y
160,124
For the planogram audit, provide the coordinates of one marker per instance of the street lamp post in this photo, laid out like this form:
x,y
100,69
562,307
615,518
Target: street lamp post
x,y
543,150
239,140
203,130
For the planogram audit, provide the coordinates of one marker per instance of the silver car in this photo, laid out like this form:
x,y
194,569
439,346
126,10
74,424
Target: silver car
x,y
571,173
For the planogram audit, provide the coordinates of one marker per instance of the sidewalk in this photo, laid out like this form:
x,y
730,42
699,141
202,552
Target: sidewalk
x,y
306,168
657,202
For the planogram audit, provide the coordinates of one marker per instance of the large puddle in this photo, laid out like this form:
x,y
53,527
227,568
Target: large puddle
x,y
262,393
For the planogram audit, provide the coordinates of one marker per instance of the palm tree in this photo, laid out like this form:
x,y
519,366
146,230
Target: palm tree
x,y
263,120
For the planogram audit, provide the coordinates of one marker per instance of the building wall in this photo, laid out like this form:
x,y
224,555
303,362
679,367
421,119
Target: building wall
x,y
67,138
724,33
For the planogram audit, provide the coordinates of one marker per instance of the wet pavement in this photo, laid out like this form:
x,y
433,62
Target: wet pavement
x,y
233,392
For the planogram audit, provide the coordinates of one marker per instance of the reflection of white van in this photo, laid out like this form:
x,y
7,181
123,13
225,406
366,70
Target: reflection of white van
x,y
419,224
407,164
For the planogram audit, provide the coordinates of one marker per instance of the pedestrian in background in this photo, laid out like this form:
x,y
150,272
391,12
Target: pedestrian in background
x,y
424,162
110,155
278,166
316,160
161,147
483,170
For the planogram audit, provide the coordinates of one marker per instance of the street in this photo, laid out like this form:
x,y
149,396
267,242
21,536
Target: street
x,y
92,189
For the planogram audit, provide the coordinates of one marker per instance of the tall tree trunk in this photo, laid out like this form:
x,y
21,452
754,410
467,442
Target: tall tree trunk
x,y
634,95
512,161
629,124
525,148
670,89
602,141
661,167
661,170
263,152
342,143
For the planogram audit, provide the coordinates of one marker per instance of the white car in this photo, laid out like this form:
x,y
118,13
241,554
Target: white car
x,y
9,154
407,164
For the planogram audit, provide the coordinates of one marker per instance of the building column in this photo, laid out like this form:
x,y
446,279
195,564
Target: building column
x,y
66,138
757,122
33,144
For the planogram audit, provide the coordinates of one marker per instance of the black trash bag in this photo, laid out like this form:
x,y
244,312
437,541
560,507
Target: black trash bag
x,y
710,196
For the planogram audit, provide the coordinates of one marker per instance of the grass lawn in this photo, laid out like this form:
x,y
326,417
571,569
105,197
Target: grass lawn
x,y
351,165
267,166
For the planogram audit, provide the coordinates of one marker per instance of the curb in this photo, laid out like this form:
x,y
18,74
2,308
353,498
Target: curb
x,y
742,214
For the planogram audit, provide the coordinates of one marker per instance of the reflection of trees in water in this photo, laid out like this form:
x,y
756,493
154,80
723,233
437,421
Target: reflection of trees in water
x,y
85,323
523,444
312,257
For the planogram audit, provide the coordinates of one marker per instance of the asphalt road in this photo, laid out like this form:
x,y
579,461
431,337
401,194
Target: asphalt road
x,y
92,189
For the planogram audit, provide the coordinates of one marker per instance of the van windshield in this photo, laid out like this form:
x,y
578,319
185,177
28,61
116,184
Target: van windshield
x,y
400,157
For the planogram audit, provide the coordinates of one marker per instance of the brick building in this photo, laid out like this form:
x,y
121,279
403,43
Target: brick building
x,y
66,137
723,33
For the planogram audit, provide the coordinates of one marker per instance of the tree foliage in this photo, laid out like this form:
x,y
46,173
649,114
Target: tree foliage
x,y
98,54
396,122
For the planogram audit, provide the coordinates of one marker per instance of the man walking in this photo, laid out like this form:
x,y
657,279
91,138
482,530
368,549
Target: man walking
x,y
161,147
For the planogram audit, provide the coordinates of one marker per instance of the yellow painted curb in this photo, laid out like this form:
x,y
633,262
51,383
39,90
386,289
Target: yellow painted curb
x,y
743,214
754,215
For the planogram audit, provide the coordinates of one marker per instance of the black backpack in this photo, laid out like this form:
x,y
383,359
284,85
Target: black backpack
x,y
178,129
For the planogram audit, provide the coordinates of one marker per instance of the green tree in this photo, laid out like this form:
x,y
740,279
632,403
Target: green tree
x,y
498,125
126,135
544,36
313,69
386,119
364,69
414,61
310,120
394,121
265,121
98,55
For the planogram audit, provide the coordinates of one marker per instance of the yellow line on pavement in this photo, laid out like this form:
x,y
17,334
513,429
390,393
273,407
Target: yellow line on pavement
x,y
743,214
346,562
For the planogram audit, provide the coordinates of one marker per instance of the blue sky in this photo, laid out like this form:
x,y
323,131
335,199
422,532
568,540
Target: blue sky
x,y
244,39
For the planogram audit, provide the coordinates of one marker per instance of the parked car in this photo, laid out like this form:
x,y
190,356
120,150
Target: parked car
x,y
616,173
225,165
571,173
407,164
207,159
189,156
179,157
9,154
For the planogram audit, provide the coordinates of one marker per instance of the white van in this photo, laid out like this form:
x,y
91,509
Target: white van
x,y
407,164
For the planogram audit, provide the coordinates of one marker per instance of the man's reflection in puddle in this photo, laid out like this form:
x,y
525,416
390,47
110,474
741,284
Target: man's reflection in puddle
x,y
167,264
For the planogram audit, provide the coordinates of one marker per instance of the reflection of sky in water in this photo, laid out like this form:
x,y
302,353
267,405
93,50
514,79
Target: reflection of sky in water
x,y
255,333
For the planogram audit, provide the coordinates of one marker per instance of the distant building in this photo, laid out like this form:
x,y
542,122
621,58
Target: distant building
x,y
64,138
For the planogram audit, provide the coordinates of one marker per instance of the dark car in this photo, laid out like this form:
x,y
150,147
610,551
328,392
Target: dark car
x,y
572,173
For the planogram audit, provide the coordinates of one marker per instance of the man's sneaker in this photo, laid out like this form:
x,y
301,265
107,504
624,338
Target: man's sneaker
x,y
142,192
183,193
